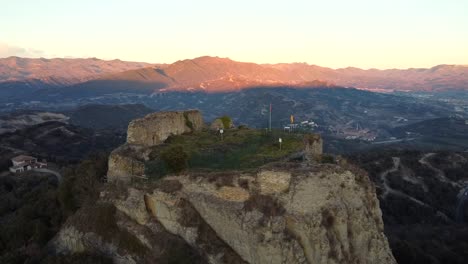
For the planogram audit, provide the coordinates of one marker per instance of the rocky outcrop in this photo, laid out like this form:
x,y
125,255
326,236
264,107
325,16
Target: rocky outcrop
x,y
118,226
128,160
313,146
288,214
282,213
154,128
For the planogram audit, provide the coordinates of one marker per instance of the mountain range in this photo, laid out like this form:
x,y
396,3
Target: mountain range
x,y
61,71
214,74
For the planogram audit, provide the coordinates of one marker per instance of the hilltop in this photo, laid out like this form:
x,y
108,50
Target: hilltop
x,y
177,180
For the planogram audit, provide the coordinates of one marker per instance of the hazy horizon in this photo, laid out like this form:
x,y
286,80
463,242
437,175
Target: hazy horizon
x,y
336,34
214,56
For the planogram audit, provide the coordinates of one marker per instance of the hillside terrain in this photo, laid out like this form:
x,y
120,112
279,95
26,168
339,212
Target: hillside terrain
x,y
29,79
11,122
417,190
447,133
35,206
57,142
419,197
94,116
438,78
107,116
61,71
345,114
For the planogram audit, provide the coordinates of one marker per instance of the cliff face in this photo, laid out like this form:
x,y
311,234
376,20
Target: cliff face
x,y
282,213
128,160
154,128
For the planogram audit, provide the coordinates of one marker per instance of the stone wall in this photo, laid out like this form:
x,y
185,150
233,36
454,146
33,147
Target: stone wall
x,y
154,128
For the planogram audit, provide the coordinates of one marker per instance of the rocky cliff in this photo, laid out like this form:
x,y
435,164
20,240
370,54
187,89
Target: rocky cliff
x,y
143,133
288,212
154,128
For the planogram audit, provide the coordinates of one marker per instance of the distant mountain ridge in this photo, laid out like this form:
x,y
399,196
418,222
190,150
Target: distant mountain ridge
x,y
61,71
214,74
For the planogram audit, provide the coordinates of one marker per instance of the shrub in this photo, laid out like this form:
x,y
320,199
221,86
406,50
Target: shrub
x,y
188,123
175,158
327,159
227,121
155,169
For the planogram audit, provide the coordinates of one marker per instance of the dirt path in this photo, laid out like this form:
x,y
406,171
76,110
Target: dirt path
x,y
439,173
58,175
390,190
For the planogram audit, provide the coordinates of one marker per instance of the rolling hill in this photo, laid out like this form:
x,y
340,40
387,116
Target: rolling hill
x,y
114,117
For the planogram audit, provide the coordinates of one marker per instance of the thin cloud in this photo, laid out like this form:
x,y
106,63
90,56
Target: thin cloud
x,y
7,50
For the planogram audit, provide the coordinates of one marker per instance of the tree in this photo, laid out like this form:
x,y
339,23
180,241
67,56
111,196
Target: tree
x,y
175,158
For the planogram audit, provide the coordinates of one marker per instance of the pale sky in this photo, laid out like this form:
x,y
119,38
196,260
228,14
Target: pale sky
x,y
332,33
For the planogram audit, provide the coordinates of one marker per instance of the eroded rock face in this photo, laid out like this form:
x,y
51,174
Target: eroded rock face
x,y
285,212
125,162
128,160
316,214
282,213
154,128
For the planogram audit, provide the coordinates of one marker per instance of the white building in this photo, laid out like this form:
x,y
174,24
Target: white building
x,y
24,163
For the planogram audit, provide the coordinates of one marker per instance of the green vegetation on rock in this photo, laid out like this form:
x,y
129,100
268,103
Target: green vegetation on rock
x,y
188,123
227,121
238,150
175,157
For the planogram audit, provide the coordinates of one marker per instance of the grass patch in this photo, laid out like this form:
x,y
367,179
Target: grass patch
x,y
240,149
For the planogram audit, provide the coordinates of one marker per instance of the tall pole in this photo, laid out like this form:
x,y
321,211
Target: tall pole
x,y
269,123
